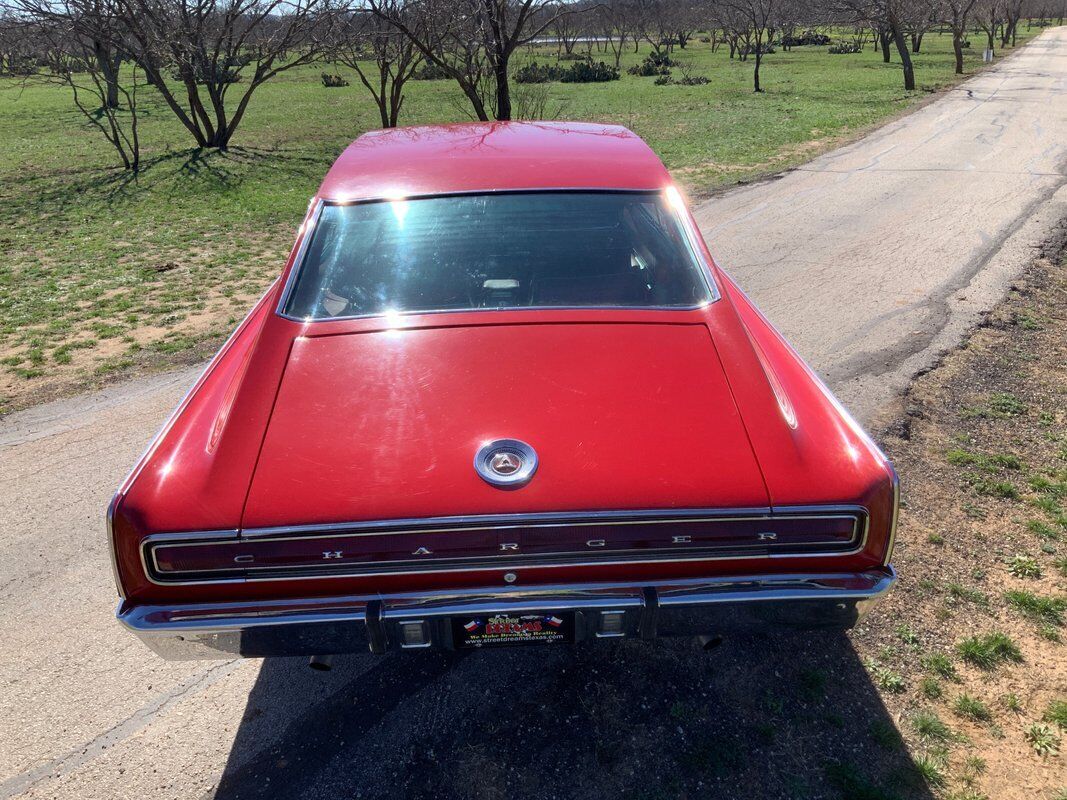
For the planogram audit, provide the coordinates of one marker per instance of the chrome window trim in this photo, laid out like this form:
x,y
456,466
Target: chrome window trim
x,y
557,519
688,229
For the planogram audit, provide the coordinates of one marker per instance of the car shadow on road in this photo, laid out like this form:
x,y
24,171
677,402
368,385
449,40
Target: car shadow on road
x,y
790,715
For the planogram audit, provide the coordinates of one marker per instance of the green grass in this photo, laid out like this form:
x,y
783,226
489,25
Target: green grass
x,y
989,651
941,665
1057,713
972,708
999,405
960,594
176,254
931,729
988,463
930,688
1046,610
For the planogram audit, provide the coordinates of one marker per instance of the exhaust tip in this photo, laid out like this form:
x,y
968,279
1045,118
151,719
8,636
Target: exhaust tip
x,y
708,643
321,663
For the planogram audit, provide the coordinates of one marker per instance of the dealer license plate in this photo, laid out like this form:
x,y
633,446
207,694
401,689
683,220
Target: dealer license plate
x,y
506,629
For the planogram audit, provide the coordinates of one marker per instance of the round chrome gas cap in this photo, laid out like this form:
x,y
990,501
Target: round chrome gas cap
x,y
508,463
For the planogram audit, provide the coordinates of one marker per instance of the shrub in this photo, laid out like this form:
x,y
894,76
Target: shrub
x,y
538,73
333,81
806,38
654,64
663,80
845,48
573,57
430,72
765,49
588,72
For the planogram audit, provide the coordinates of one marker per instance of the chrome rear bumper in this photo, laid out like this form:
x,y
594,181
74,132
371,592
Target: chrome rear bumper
x,y
328,625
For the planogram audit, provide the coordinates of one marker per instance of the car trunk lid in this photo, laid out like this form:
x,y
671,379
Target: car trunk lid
x,y
385,424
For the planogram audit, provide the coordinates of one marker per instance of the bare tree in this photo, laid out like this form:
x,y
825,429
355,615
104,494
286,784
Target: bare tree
x,y
565,29
212,46
20,46
69,35
616,21
472,40
754,19
1013,10
956,13
891,13
366,37
988,15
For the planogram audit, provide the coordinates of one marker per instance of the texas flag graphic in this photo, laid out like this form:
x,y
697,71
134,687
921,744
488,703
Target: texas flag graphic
x,y
472,626
555,622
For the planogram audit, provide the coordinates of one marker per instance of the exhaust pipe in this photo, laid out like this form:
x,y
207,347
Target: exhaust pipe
x,y
321,663
709,642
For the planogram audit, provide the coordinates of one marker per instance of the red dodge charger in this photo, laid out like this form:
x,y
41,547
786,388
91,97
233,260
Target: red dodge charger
x,y
500,394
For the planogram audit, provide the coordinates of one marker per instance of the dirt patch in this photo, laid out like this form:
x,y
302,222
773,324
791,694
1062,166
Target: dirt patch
x,y
982,451
163,308
791,154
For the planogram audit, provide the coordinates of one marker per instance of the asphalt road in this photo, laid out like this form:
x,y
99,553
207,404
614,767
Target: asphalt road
x,y
872,259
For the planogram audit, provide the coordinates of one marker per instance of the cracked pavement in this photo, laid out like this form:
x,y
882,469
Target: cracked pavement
x,y
871,259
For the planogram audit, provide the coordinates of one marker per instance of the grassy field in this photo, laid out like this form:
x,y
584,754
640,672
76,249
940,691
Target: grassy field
x,y
105,274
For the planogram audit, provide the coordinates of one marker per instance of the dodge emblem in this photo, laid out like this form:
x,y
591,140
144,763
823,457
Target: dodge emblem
x,y
507,463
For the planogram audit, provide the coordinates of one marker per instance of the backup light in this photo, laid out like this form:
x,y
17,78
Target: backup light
x,y
611,623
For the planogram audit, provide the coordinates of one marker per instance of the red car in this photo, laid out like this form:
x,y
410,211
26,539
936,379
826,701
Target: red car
x,y
500,394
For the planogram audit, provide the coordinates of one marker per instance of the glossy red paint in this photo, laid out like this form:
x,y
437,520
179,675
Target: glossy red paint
x,y
375,419
633,416
492,156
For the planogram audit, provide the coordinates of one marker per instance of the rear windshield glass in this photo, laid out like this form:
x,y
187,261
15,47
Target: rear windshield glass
x,y
542,249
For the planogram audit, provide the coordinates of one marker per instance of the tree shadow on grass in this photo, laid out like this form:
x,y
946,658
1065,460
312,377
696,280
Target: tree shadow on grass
x,y
175,173
786,716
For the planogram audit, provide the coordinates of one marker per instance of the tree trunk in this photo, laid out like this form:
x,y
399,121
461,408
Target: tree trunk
x,y
957,48
503,90
902,50
884,36
109,63
755,73
916,42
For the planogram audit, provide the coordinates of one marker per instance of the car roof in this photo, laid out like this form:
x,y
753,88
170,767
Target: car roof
x,y
492,156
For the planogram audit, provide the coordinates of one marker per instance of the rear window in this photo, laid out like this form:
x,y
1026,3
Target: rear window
x,y
524,250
